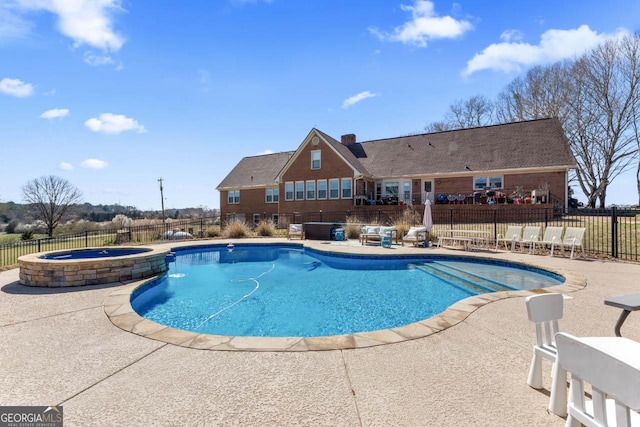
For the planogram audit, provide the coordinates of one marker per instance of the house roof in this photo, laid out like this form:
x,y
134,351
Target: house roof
x,y
535,144
256,171
532,144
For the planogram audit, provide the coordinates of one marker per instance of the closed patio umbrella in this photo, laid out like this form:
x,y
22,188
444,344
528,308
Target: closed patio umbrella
x,y
427,221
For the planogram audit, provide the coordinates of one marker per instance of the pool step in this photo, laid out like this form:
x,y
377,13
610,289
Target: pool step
x,y
463,279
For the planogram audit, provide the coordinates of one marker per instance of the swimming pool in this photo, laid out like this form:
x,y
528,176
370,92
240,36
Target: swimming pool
x,y
290,291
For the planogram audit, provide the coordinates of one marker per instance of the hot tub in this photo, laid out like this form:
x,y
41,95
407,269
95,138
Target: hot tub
x,y
91,266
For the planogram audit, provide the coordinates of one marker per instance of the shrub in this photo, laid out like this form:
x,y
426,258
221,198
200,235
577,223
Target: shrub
x,y
27,235
265,228
212,231
354,225
122,221
11,227
236,230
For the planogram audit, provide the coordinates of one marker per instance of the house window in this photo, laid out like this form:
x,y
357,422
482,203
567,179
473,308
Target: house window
x,y
275,218
234,197
322,189
272,195
406,192
235,217
315,159
311,190
334,188
299,190
288,191
346,188
482,182
391,189
256,218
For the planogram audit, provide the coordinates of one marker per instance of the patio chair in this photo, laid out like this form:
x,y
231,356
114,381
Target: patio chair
x,y
544,310
530,234
615,384
573,238
415,235
513,235
295,230
552,238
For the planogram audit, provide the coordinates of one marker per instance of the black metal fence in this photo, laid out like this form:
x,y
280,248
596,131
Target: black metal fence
x,y
9,252
611,232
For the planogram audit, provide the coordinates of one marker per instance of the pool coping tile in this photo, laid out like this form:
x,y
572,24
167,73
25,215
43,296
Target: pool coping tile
x,y
117,308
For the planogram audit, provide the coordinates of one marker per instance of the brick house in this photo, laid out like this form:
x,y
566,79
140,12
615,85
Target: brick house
x,y
515,162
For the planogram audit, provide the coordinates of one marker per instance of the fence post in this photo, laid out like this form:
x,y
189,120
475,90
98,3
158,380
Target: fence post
x,y
495,224
320,215
378,216
38,245
546,220
86,239
614,231
451,218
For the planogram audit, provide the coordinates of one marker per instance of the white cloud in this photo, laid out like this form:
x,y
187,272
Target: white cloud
x,y
424,25
15,87
56,113
12,25
267,151
87,22
94,164
357,98
66,166
114,124
555,45
511,35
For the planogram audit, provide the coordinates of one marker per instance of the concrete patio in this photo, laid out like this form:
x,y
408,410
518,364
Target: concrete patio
x,y
60,348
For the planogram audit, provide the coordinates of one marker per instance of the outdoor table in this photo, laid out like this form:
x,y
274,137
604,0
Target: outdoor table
x,y
621,348
627,303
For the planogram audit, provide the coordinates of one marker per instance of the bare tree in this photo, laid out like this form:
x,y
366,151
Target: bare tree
x,y
473,112
50,198
610,85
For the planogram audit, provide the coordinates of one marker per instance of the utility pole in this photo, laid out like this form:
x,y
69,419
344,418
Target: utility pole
x,y
162,199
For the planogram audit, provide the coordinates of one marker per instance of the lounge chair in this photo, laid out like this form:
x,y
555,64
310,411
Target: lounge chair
x,y
552,238
573,238
513,235
295,230
530,234
610,366
416,235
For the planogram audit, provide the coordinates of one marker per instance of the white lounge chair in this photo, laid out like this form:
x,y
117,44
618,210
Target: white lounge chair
x,y
530,234
613,373
513,235
552,238
295,230
573,239
415,235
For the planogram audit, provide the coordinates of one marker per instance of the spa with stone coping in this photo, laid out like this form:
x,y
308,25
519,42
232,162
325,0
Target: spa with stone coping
x,y
91,266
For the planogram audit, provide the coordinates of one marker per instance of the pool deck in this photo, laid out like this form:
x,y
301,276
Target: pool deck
x,y
60,348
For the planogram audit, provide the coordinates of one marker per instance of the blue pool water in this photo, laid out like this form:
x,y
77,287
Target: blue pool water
x,y
94,253
282,290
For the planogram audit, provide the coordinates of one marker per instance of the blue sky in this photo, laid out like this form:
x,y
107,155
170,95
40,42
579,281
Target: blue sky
x,y
113,95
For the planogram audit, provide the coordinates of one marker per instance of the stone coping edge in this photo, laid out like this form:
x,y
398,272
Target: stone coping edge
x,y
118,309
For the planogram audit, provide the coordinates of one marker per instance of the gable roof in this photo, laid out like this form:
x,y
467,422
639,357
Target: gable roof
x,y
534,144
256,171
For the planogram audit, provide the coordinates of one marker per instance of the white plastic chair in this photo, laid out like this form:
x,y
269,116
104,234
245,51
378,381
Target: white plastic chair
x,y
530,235
513,235
573,239
552,237
544,310
615,384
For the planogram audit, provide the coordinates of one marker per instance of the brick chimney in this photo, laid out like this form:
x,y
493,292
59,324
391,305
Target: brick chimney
x,y
348,139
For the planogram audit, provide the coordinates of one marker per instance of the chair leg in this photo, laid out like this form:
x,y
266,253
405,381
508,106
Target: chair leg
x,y
535,372
558,398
